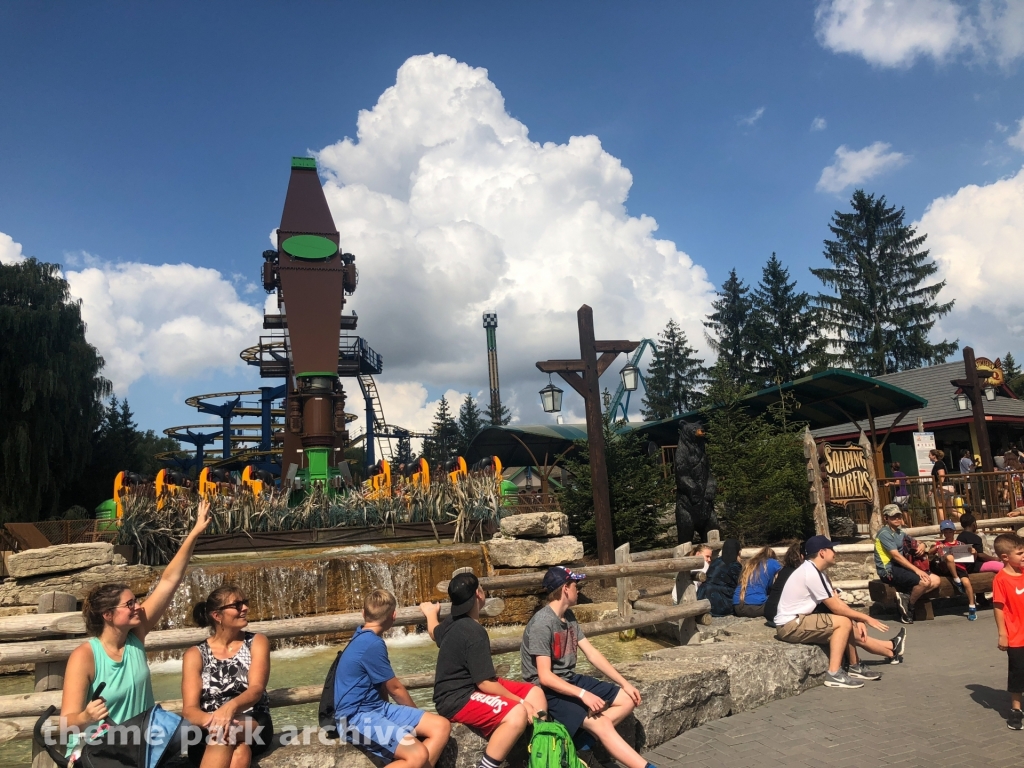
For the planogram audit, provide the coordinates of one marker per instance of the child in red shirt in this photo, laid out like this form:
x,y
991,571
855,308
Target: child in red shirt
x,y
1008,608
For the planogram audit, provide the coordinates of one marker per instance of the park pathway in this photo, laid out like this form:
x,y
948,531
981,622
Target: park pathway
x,y
945,706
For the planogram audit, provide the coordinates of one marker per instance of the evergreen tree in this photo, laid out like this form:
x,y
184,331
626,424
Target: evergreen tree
x,y
674,377
781,327
759,465
1012,375
50,390
879,319
637,486
728,326
443,444
403,453
501,418
469,423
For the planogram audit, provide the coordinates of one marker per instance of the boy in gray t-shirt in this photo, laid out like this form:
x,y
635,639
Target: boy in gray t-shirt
x,y
548,656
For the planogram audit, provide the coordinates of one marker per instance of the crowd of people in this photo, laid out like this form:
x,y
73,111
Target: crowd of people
x,y
224,679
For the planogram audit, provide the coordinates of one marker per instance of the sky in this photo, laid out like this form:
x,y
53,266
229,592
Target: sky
x,y
527,157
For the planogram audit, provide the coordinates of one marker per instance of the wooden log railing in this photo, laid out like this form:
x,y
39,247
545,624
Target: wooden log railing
x,y
172,639
18,713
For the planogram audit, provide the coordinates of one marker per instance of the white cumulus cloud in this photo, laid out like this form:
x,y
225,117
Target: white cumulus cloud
x,y
10,251
819,124
451,209
174,320
852,167
976,237
752,118
895,33
1017,140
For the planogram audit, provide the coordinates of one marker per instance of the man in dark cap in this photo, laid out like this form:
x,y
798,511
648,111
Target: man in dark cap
x,y
467,688
810,611
548,657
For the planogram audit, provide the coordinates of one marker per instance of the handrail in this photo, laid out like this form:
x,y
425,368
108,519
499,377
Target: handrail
x,y
536,578
14,727
170,639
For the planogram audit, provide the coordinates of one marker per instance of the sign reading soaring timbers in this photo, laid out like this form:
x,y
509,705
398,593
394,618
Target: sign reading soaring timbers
x,y
847,472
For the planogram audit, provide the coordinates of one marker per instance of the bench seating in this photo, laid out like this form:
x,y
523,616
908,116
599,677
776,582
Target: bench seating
x,y
885,595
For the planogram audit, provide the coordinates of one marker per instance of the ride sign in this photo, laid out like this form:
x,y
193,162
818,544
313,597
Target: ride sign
x,y
847,472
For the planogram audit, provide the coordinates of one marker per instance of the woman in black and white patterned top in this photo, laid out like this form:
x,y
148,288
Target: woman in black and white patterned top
x,y
224,684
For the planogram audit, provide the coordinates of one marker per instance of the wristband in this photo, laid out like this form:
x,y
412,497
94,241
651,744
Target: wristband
x,y
580,694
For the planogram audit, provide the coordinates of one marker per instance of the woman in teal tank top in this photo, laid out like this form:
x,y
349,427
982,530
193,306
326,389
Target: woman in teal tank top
x,y
116,654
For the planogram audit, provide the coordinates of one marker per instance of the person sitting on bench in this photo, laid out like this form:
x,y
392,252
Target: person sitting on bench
x,y
983,561
943,562
893,550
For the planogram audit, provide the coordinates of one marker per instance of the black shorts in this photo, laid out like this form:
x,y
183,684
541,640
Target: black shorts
x,y
570,711
901,579
1015,673
196,751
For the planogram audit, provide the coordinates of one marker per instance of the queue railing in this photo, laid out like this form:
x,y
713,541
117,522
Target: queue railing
x,y
984,494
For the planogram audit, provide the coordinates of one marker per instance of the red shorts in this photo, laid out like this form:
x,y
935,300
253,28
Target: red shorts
x,y
484,711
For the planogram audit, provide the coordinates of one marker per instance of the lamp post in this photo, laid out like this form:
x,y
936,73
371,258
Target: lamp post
x,y
973,389
583,375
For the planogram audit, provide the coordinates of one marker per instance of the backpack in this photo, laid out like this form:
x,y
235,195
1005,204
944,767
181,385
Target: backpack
x,y
326,712
551,746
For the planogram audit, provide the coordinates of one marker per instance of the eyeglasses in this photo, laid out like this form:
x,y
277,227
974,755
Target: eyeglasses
x,y
129,604
238,605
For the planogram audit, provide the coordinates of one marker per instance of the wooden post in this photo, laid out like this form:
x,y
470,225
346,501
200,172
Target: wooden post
x,y
686,592
876,508
623,585
50,674
814,478
714,537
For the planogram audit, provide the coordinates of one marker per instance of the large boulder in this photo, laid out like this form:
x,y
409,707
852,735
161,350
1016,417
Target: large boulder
x,y
535,525
314,755
59,559
139,579
758,672
527,553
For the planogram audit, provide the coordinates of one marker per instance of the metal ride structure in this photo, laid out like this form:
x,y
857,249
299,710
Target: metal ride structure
x,y
491,327
634,360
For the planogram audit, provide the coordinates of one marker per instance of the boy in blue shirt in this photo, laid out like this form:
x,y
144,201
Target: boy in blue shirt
x,y
399,733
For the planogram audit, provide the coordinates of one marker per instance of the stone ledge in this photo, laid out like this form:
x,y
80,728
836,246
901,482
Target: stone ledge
x,y
532,525
533,553
59,559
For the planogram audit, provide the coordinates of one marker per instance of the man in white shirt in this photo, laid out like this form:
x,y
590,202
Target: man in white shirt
x,y
811,612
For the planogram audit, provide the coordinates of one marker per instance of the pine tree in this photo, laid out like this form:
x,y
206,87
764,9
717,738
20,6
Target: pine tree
x,y
469,423
51,387
781,327
1012,375
674,377
403,453
501,418
879,319
443,444
728,328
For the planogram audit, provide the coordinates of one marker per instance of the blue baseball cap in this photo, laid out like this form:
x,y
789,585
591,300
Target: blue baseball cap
x,y
558,575
815,544
947,525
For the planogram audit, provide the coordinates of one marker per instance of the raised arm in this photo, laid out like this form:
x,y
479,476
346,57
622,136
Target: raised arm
x,y
432,612
153,609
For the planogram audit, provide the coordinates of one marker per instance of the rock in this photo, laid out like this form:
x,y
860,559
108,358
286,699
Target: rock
x,y
535,525
526,553
314,755
139,579
59,559
758,672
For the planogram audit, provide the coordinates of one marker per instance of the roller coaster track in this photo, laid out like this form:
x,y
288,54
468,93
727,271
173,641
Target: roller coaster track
x,y
616,402
380,426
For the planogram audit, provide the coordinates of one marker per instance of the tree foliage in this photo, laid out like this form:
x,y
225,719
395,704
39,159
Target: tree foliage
x,y
1012,375
728,328
638,489
501,418
882,312
443,444
781,327
674,377
51,390
470,423
759,465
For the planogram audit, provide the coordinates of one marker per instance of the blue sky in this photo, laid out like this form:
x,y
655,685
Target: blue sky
x,y
159,134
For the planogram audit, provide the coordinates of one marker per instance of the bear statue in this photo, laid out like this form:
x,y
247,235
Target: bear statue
x,y
695,487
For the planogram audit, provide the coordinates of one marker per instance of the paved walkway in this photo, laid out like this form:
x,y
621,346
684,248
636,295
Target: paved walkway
x,y
946,705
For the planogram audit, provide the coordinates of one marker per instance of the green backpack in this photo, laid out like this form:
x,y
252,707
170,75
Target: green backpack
x,y
551,746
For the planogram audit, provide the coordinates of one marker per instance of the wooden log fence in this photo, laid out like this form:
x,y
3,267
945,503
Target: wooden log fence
x,y
19,712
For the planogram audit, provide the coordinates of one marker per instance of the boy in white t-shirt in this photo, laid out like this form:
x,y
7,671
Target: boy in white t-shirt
x,y
811,612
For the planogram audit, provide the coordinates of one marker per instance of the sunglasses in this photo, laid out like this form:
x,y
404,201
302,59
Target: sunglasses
x,y
238,605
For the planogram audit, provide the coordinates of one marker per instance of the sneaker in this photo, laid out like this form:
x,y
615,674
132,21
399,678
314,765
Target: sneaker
x,y
1015,722
860,672
958,585
972,613
841,680
899,645
895,660
908,617
903,603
